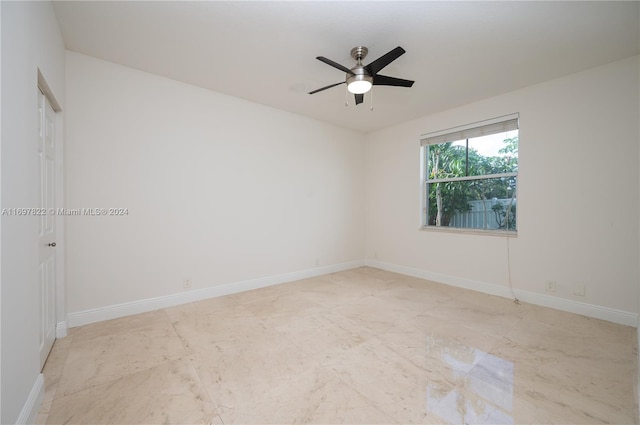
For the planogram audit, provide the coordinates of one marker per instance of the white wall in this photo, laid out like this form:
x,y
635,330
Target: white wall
x,y
577,192
30,41
218,189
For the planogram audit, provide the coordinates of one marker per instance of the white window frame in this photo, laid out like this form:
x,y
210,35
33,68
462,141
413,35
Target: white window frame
x,y
467,131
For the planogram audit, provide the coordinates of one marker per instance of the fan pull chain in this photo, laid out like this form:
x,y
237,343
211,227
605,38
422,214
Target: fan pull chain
x,y
346,97
371,100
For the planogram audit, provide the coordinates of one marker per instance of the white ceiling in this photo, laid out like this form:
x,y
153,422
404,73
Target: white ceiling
x,y
457,52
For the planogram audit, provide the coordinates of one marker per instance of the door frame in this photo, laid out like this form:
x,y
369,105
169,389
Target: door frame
x,y
60,304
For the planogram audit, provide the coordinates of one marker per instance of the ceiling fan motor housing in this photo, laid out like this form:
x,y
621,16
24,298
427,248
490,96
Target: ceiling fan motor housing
x,y
359,74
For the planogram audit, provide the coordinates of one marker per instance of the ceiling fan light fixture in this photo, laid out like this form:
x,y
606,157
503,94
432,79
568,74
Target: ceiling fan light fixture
x,y
359,87
359,83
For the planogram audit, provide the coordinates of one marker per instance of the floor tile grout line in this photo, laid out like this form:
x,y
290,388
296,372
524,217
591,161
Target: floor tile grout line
x,y
117,378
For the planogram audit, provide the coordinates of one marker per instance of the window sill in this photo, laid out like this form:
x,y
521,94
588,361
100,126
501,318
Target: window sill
x,y
502,233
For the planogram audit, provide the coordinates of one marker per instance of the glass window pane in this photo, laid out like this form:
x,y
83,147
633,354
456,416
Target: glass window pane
x,y
488,204
446,160
493,154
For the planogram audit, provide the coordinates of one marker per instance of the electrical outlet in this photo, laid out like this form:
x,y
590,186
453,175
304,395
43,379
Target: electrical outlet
x,y
579,289
186,283
551,286
317,261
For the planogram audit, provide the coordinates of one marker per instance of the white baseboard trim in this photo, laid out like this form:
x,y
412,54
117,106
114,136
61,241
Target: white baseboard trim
x,y
590,310
142,306
637,383
32,405
571,306
61,329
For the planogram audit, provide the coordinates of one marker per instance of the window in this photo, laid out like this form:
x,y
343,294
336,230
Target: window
x,y
471,175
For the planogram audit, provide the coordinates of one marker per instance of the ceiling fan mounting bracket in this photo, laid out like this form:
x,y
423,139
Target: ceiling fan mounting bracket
x,y
359,53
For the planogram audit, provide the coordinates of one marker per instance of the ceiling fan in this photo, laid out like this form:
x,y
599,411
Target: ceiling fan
x,y
361,78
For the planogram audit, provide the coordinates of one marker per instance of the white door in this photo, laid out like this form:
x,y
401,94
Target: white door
x,y
47,233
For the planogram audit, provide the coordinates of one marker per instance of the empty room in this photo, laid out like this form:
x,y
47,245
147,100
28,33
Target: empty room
x,y
279,212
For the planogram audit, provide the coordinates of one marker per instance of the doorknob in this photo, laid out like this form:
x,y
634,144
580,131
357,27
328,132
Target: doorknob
x,y
52,244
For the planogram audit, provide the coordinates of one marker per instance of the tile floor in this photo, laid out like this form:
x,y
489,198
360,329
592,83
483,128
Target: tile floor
x,y
360,346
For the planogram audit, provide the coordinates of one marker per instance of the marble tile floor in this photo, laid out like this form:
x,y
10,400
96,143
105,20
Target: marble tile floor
x,y
359,346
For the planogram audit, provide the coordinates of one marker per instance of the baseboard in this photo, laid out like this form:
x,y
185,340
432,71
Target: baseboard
x,y
636,386
150,304
571,306
577,307
61,329
32,405
126,309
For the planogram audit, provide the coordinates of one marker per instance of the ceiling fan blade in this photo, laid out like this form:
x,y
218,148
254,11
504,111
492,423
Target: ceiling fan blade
x,y
334,64
377,65
383,80
359,98
326,87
